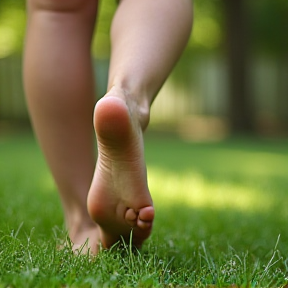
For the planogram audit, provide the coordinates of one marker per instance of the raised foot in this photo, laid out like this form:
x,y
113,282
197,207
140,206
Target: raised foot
x,y
119,199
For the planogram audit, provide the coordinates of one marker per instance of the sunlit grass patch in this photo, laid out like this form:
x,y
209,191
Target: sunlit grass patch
x,y
194,190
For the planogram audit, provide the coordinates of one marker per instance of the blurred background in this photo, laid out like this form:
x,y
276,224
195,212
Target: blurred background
x,y
231,79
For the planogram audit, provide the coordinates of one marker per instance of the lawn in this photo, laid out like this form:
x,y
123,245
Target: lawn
x,y
221,219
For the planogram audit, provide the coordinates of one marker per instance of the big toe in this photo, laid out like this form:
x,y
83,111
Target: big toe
x,y
146,217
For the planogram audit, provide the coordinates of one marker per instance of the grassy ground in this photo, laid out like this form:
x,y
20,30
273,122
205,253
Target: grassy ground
x,y
220,210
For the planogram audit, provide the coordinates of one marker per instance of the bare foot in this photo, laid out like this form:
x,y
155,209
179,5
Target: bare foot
x,y
85,238
119,200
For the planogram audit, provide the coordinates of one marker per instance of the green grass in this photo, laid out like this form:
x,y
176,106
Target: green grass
x,y
220,208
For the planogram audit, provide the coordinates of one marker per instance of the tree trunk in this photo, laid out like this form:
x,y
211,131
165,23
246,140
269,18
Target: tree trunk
x,y
237,38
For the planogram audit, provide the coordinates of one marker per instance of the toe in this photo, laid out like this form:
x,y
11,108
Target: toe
x,y
144,225
131,217
146,214
145,218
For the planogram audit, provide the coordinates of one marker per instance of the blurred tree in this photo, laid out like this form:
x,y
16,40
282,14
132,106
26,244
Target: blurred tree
x,y
241,112
269,25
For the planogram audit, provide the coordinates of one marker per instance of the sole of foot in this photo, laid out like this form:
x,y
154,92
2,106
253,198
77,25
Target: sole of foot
x,y
119,200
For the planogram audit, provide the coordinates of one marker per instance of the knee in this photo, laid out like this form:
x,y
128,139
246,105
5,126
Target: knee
x,y
62,5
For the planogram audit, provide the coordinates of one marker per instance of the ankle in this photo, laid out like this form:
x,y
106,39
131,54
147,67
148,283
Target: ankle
x,y
79,228
137,102
76,219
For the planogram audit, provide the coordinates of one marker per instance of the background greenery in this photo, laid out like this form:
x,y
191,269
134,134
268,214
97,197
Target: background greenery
x,y
247,37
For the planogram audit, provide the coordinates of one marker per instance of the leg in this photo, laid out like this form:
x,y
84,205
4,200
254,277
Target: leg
x,y
147,40
58,81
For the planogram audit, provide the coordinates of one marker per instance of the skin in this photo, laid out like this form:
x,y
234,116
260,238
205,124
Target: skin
x,y
106,201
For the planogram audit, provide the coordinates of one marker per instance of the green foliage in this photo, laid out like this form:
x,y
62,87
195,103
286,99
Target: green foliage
x,y
220,208
12,26
269,25
101,43
208,27
268,22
